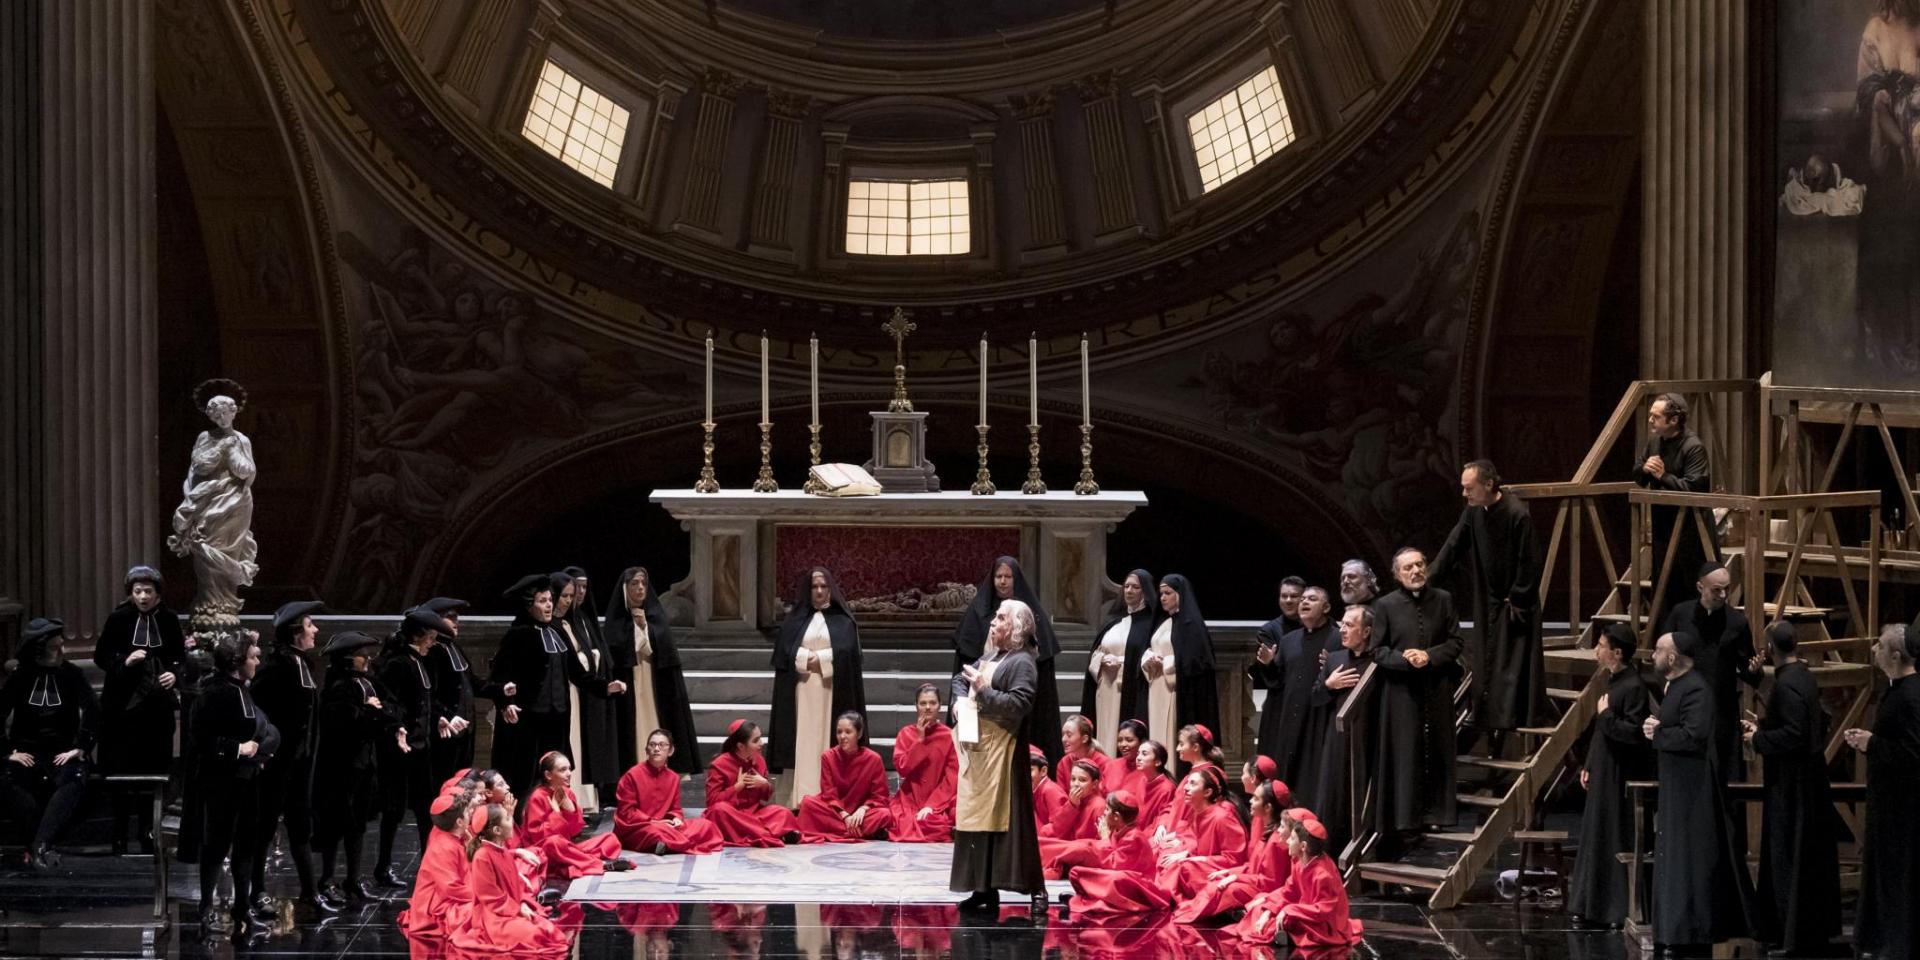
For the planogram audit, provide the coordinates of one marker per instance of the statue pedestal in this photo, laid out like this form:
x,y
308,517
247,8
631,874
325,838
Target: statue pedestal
x,y
899,459
750,549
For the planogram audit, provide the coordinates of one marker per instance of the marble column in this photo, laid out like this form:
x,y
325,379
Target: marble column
x,y
700,200
1046,227
1693,305
97,392
20,520
1115,216
773,189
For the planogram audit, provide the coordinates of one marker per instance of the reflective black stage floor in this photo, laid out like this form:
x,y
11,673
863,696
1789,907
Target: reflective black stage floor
x,y
94,905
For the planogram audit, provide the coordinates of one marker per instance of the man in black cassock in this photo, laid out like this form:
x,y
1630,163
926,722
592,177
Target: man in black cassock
x,y
1291,590
1494,536
1726,658
1701,891
1288,670
1890,865
1417,643
1799,865
1617,753
453,692
1674,460
406,764
996,842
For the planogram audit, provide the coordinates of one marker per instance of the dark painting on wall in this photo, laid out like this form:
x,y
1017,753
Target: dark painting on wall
x,y
1847,181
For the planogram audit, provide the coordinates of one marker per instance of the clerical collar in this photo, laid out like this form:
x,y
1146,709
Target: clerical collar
x,y
1132,609
550,640
453,655
306,676
46,691
144,634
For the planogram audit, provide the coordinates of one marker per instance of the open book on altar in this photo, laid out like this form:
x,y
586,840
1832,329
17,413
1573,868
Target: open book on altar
x,y
844,480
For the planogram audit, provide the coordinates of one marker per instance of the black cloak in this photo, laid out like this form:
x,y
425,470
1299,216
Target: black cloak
x,y
970,643
137,714
1617,754
599,758
1414,785
1701,890
670,698
849,688
1290,681
1139,636
1197,697
1890,863
1799,864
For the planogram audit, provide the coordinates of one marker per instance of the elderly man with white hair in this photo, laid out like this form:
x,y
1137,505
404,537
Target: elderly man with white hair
x,y
996,845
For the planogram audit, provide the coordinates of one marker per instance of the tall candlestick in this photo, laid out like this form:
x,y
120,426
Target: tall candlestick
x,y
813,345
1086,401
983,378
709,376
763,380
1033,381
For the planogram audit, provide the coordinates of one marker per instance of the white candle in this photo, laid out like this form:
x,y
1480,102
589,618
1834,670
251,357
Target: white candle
x,y
1033,381
983,378
763,380
813,346
709,376
1086,401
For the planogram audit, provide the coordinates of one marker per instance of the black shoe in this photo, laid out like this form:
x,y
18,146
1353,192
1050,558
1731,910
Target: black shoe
x,y
981,900
359,892
388,877
791,837
660,849
332,893
320,902
265,907
1039,910
43,857
617,864
211,923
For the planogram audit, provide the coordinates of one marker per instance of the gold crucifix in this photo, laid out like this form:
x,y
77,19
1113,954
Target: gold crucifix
x,y
898,328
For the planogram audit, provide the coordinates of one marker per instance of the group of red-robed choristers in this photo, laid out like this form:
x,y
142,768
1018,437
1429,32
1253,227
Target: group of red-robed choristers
x,y
1141,848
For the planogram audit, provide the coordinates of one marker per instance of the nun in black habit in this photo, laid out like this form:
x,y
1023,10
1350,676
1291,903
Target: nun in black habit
x,y
816,677
1616,754
1289,671
1197,696
1115,692
1701,891
532,680
1799,864
1006,581
143,652
642,651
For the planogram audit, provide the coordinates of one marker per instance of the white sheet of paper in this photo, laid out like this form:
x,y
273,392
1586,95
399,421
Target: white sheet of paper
x,y
966,717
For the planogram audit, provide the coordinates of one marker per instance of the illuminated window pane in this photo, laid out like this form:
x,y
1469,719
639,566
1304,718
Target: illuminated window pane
x,y
577,124
908,217
1243,127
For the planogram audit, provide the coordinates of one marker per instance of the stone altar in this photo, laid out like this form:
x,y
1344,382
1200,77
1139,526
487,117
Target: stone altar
x,y
888,546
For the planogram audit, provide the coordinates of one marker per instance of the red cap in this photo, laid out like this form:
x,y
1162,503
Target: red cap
x,y
477,820
1266,768
1204,732
1300,814
456,778
1034,751
734,727
1314,829
1124,798
1281,792
441,804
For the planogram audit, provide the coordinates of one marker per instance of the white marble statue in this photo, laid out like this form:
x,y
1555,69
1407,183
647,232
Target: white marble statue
x,y
212,524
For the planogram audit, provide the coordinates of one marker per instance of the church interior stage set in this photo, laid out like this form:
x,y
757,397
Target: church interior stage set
x,y
432,297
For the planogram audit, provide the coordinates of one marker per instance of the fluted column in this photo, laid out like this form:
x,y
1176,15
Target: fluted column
x,y
1046,228
700,201
1114,213
1693,313
1406,22
479,35
773,189
1343,59
98,378
20,520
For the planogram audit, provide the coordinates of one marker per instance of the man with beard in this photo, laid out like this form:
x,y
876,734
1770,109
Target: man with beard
x,y
1494,538
1357,583
1701,890
1726,658
1890,863
1417,642
1675,461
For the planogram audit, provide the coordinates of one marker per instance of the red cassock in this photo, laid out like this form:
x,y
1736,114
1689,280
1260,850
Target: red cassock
x,y
744,816
498,925
1174,814
441,894
1266,868
1121,884
551,831
648,803
929,770
1121,773
1063,771
1311,907
1047,798
1155,796
1219,840
1073,835
848,782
